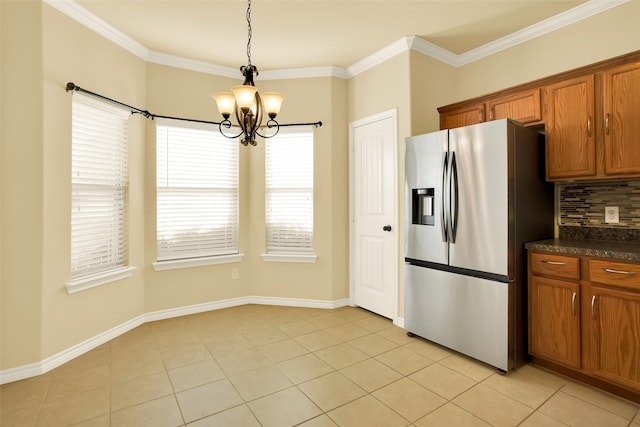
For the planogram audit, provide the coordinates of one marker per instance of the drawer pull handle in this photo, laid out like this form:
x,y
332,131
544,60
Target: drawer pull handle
x,y
554,262
593,302
629,273
573,304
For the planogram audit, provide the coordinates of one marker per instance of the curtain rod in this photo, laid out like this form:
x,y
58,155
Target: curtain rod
x,y
73,87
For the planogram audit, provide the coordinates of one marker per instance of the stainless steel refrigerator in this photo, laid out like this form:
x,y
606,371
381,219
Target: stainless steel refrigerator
x,y
473,197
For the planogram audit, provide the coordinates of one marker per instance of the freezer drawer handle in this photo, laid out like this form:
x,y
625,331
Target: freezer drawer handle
x,y
386,228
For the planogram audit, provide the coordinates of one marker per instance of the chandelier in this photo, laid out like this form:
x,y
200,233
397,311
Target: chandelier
x,y
247,103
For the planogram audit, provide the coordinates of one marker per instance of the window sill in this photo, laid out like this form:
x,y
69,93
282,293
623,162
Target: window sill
x,y
303,258
196,262
94,280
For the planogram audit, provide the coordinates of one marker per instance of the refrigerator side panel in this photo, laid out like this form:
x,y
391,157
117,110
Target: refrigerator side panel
x,y
481,166
463,313
424,197
531,202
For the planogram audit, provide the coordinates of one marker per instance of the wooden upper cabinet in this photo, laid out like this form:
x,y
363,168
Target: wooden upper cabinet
x,y
571,142
468,115
524,107
621,91
591,117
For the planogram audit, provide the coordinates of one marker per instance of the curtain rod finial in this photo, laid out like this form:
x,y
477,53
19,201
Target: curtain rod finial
x,y
71,86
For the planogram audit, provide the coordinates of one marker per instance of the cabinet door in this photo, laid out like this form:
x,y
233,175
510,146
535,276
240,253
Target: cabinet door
x,y
615,335
470,115
570,146
622,120
554,320
523,107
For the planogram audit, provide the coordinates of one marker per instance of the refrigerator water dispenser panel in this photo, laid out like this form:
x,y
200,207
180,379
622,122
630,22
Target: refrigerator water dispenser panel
x,y
422,201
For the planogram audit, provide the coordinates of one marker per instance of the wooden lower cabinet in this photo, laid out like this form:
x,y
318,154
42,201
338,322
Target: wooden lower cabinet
x,y
554,308
615,335
585,322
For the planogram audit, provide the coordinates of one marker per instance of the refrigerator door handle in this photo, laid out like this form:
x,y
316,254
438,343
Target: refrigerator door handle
x,y
443,211
453,214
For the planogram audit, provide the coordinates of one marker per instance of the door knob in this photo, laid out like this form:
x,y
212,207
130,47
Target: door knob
x,y
387,228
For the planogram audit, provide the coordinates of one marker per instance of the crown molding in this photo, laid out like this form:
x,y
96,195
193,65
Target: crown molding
x,y
434,51
377,58
303,73
556,22
586,10
192,65
89,20
234,73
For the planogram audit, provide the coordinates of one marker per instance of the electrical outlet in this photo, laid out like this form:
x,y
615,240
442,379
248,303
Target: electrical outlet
x,y
611,215
235,273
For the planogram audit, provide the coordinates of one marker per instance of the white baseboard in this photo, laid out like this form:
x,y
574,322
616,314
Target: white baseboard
x,y
39,368
399,322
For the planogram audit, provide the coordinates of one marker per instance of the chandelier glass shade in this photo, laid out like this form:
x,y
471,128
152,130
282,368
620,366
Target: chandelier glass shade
x,y
248,104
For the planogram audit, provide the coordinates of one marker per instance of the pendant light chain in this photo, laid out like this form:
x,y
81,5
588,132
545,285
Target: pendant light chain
x,y
249,32
248,105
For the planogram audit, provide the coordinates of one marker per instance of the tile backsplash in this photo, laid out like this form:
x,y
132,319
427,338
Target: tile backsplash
x,y
583,205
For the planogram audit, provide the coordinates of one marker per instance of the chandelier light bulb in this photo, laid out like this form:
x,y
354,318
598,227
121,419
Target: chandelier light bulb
x,y
272,102
226,103
245,96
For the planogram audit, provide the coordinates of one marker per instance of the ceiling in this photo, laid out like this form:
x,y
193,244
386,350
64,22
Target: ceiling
x,y
313,33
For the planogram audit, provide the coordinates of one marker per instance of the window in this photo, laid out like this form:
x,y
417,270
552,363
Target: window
x,y
289,195
197,195
99,183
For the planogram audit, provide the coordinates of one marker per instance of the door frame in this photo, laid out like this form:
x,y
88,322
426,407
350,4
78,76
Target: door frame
x,y
392,114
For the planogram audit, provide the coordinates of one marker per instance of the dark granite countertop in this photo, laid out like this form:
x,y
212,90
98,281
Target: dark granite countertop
x,y
624,251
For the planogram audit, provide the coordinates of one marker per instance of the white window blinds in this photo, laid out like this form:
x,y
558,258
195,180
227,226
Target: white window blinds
x,y
289,191
197,191
99,176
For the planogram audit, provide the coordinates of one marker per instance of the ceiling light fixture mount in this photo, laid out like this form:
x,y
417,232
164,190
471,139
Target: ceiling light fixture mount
x,y
248,104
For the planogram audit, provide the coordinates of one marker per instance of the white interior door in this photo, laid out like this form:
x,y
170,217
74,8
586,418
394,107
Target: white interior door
x,y
373,208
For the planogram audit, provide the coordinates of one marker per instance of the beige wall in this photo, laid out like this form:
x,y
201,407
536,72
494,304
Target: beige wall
x,y
606,35
42,49
71,52
39,317
22,186
307,100
181,93
432,84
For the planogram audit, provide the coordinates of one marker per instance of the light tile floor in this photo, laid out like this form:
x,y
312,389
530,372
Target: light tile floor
x,y
273,366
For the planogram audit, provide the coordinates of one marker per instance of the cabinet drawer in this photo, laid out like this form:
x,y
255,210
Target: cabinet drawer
x,y
622,274
567,267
